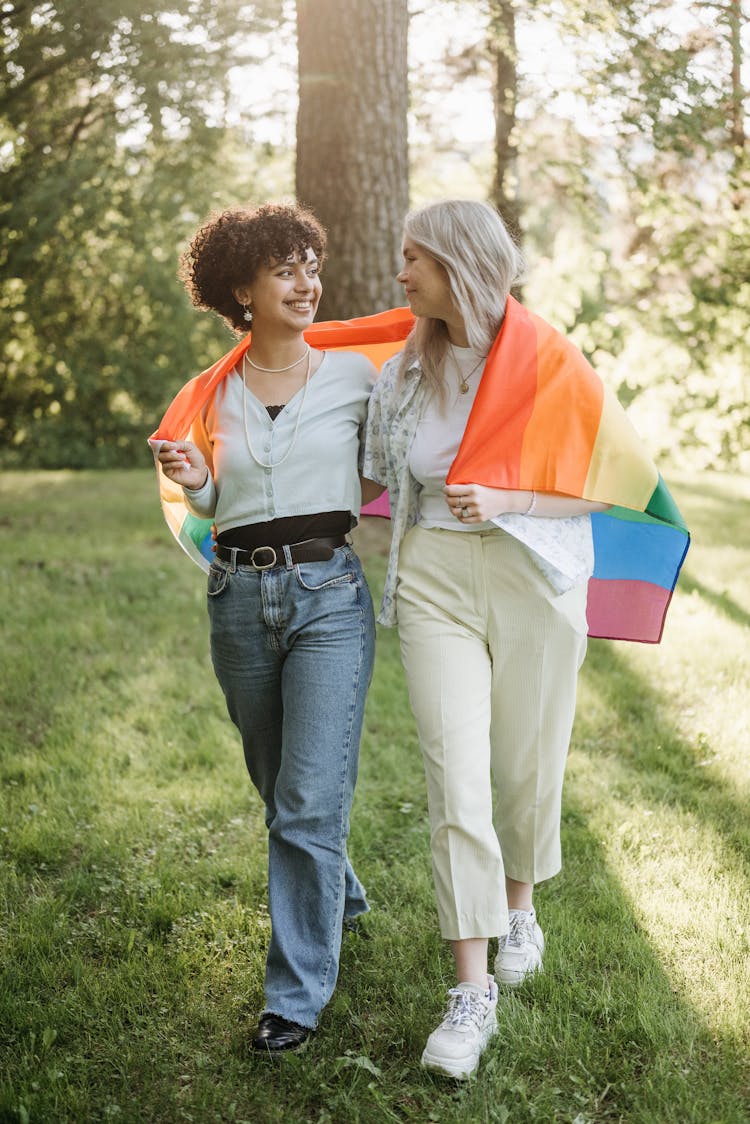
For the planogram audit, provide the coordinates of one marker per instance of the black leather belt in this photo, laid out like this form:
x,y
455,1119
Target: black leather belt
x,y
266,557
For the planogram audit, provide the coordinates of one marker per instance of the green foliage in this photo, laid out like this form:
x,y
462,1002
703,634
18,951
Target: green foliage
x,y
639,225
118,133
683,271
113,147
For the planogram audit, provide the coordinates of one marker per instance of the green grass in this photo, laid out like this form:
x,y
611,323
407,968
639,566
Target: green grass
x,y
133,915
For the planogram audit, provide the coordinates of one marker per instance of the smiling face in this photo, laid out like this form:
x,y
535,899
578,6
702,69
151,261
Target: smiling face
x,y
425,282
284,293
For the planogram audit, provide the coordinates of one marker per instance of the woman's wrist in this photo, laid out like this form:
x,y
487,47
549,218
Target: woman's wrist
x,y
198,487
530,506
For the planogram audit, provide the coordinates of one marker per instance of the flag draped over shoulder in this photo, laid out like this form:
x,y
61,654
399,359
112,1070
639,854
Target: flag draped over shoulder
x,y
543,420
378,337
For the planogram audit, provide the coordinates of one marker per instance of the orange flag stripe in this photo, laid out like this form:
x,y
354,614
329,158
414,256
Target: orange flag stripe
x,y
378,336
565,420
505,400
536,415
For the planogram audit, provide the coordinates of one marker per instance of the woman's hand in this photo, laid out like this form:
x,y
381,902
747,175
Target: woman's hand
x,y
473,503
184,463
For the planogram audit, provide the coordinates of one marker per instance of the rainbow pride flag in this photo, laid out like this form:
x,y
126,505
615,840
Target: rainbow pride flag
x,y
378,337
544,420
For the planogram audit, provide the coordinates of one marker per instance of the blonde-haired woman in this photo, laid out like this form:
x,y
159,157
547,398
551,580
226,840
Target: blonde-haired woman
x,y
489,589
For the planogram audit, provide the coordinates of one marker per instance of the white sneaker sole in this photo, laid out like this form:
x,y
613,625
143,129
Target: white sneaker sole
x,y
515,979
458,1068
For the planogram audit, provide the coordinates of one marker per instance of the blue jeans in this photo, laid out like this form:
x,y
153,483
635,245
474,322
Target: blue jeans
x,y
293,650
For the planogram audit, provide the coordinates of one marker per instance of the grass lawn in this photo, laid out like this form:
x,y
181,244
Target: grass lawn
x,y
133,916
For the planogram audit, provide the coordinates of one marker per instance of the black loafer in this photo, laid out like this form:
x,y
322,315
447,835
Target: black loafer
x,y
354,927
274,1034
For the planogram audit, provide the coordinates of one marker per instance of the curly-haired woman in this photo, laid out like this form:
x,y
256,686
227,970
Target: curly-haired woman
x,y
274,461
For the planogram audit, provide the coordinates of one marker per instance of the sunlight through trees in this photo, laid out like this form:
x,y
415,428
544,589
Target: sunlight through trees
x,y
612,136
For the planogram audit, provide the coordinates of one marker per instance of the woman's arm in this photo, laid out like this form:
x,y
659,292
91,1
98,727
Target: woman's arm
x,y
478,504
370,490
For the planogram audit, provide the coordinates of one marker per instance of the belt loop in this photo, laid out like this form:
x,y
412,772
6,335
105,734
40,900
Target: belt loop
x,y
233,564
288,556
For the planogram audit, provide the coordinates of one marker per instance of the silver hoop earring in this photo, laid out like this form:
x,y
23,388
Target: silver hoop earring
x,y
248,313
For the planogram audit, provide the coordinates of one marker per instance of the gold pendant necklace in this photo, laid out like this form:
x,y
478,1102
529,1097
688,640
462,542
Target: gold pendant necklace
x,y
463,380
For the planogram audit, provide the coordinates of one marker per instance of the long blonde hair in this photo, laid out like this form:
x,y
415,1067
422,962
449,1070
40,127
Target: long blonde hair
x,y
470,240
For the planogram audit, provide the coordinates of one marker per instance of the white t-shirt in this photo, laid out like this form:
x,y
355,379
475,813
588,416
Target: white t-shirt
x,y
563,548
438,435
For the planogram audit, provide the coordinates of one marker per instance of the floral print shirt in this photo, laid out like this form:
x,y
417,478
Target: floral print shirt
x,y
562,549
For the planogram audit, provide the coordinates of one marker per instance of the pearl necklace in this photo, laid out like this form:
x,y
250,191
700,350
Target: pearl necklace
x,y
251,451
277,370
463,380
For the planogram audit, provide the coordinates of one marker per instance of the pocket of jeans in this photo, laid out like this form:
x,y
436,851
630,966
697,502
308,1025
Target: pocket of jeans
x,y
218,580
308,579
324,575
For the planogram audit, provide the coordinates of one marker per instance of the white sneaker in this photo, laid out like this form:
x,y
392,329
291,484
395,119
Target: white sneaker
x,y
520,952
455,1047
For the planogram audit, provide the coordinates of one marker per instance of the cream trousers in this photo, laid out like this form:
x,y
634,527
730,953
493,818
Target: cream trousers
x,y
491,655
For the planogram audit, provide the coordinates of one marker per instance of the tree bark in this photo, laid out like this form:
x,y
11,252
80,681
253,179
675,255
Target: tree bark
x,y
352,157
503,51
737,103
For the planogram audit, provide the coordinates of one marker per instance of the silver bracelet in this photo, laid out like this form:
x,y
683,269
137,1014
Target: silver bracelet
x,y
530,509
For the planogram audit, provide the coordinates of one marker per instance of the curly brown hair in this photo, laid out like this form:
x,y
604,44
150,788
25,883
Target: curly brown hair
x,y
229,248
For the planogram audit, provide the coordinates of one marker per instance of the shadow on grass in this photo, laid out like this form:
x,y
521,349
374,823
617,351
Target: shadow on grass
x,y
662,769
605,1034
158,1024
710,486
716,513
602,1035
721,601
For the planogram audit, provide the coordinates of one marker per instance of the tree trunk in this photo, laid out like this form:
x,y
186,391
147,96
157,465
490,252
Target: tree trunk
x,y
352,159
737,101
502,45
